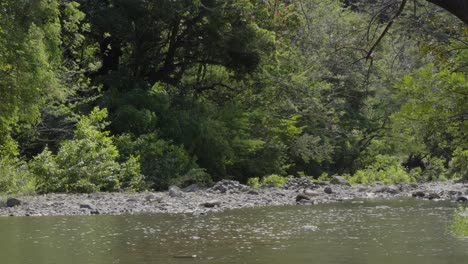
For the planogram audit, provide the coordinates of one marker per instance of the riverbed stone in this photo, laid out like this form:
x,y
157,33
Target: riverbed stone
x,y
301,197
211,203
462,198
311,193
87,205
418,194
12,202
191,188
388,189
328,190
433,196
175,191
340,180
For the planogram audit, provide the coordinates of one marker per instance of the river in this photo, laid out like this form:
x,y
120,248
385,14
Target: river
x,y
364,231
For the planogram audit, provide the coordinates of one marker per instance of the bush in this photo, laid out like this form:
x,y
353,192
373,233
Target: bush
x,y
273,179
162,162
87,163
459,164
194,176
386,169
15,176
253,182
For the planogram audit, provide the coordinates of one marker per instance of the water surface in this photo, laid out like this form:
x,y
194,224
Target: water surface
x,y
378,231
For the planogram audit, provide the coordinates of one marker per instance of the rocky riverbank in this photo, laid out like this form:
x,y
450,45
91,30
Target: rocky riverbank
x,y
224,195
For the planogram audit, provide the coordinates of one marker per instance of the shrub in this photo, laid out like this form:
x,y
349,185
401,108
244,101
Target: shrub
x,y
162,162
15,176
253,182
198,176
386,169
277,180
459,164
87,163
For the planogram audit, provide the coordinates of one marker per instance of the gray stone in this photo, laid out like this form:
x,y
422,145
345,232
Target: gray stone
x,y
388,189
310,193
418,194
328,190
175,191
210,204
433,196
253,192
462,199
12,202
87,205
301,197
340,180
191,188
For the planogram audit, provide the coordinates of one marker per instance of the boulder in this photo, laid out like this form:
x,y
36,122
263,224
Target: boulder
x,y
12,202
340,180
328,190
87,205
462,199
301,197
388,189
175,191
433,196
418,194
210,204
311,193
191,188
253,192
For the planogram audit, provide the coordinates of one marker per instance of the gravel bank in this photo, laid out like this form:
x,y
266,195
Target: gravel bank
x,y
223,195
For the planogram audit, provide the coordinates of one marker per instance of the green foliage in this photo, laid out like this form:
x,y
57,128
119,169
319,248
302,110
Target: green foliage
x,y
386,169
161,161
459,164
254,182
459,225
29,56
87,163
15,176
275,180
193,176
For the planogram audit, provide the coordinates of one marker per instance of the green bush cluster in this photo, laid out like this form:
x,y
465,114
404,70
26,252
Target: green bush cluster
x,y
385,169
87,163
15,176
274,179
162,162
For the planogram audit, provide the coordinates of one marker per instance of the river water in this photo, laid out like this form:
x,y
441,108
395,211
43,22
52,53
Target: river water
x,y
373,231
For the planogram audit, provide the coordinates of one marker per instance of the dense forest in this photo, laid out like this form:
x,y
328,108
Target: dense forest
x,y
141,94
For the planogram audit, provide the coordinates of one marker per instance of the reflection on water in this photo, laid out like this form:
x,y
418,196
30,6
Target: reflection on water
x,y
399,231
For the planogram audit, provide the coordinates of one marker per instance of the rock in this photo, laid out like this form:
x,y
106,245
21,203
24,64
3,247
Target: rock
x,y
94,212
191,188
418,194
388,189
88,205
253,192
299,183
12,202
340,180
210,204
433,196
311,193
462,199
175,191
150,197
328,190
301,197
